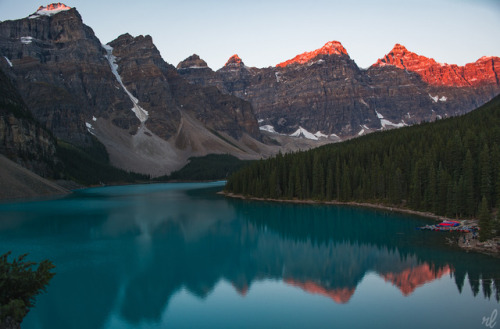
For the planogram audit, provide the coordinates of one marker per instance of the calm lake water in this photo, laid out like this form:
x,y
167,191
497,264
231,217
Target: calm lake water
x,y
181,256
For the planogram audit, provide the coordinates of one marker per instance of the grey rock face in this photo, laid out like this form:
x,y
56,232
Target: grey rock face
x,y
123,93
325,91
22,139
60,70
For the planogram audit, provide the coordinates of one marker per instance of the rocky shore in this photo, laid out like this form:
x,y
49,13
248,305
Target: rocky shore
x,y
465,241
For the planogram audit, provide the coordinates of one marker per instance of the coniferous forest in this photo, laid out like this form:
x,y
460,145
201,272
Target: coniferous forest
x,y
445,167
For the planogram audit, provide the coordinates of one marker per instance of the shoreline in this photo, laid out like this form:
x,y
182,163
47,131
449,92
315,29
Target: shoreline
x,y
465,241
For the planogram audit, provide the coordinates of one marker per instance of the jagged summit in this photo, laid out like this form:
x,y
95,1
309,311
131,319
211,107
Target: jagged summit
x,y
484,70
234,61
401,57
50,10
193,61
330,48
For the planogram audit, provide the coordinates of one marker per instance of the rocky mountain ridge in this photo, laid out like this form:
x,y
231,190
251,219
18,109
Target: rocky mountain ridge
x,y
330,48
324,94
152,116
148,117
484,71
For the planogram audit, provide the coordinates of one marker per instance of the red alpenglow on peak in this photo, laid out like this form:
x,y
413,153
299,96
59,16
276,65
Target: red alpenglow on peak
x,y
330,48
50,10
339,295
485,70
404,59
410,279
234,60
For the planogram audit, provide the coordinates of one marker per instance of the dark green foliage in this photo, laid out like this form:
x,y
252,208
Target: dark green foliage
x,y
485,221
209,167
90,166
19,284
444,167
496,222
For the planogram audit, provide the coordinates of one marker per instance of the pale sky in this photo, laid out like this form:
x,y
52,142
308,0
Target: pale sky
x,y
266,32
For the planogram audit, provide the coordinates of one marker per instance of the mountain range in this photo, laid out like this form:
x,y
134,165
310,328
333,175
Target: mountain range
x,y
324,94
152,117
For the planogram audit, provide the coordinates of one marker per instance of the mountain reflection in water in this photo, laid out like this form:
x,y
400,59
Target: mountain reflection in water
x,y
120,250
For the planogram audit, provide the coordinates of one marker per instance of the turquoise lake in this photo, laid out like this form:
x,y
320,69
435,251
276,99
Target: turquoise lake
x,y
181,256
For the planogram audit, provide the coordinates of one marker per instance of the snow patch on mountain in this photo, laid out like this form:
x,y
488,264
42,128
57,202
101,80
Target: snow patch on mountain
x,y
386,123
320,61
319,134
141,113
50,10
335,137
8,61
268,128
90,128
26,40
302,132
364,103
436,98
197,67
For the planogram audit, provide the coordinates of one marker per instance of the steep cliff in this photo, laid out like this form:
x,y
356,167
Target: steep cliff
x,y
324,94
60,69
22,138
484,71
149,118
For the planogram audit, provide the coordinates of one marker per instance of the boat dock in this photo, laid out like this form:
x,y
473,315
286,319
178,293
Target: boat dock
x,y
450,226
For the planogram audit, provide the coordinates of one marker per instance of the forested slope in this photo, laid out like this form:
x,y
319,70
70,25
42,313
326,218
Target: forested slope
x,y
445,167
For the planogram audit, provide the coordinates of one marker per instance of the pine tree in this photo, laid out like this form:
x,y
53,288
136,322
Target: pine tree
x,y
19,284
345,191
442,196
318,181
431,191
338,178
468,184
485,175
329,183
398,187
444,167
485,224
496,223
415,187
298,184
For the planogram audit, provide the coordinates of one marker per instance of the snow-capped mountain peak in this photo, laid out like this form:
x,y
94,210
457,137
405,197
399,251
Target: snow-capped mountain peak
x,y
50,10
330,48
